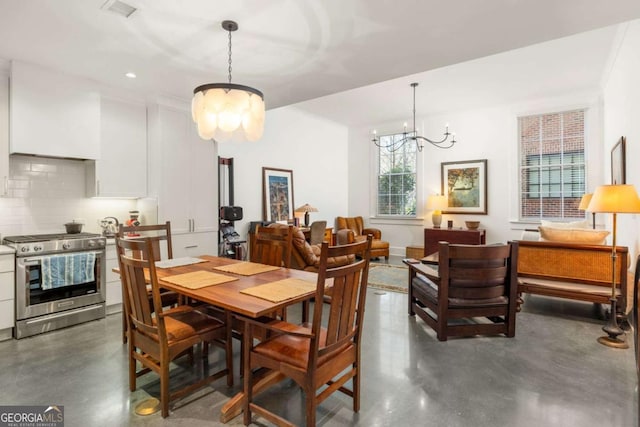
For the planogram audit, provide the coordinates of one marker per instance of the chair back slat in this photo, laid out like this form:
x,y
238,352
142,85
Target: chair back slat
x,y
136,274
158,234
273,246
348,293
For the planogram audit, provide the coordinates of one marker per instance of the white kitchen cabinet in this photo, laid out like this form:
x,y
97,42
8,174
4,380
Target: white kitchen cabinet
x,y
121,170
53,114
185,175
7,292
114,286
4,134
194,244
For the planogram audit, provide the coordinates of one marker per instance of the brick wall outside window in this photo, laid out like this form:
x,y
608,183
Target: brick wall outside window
x,y
552,165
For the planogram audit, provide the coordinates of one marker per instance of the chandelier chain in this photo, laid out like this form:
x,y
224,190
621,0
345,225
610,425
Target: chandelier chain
x,y
229,56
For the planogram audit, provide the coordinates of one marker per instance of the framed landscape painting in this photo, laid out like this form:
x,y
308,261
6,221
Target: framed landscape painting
x,y
277,194
618,160
464,184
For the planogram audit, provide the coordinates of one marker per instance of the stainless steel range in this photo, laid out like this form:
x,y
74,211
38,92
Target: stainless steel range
x,y
60,280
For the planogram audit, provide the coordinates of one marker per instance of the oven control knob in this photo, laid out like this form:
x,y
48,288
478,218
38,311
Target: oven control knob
x,y
37,248
91,244
24,249
66,245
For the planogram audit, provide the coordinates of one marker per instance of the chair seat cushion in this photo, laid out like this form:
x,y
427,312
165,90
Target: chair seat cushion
x,y
375,244
184,322
294,350
430,290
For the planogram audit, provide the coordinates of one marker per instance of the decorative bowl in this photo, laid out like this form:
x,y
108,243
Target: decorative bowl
x,y
472,225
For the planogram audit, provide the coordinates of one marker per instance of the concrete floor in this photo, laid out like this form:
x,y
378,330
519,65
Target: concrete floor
x,y
553,373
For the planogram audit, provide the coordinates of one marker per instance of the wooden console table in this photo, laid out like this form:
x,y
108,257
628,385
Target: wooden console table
x,y
452,235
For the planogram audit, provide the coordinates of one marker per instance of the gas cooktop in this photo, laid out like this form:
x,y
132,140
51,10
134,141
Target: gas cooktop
x,y
48,237
55,243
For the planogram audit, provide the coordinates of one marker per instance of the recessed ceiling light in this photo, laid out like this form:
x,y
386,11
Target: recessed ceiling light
x,y
131,75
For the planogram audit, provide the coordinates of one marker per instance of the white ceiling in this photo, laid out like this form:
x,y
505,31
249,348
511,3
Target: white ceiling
x,y
296,50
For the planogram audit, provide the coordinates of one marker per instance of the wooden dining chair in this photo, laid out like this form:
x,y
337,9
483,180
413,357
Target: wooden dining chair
x,y
473,292
158,335
272,246
160,237
323,355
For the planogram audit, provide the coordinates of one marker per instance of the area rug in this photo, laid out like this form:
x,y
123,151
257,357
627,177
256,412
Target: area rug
x,y
388,277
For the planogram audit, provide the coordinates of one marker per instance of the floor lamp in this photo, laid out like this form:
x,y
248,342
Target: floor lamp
x,y
614,199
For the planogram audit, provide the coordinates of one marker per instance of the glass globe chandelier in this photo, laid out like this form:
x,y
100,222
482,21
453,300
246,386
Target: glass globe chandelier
x,y
227,111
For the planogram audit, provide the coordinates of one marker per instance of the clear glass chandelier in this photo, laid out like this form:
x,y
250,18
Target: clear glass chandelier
x,y
412,135
227,111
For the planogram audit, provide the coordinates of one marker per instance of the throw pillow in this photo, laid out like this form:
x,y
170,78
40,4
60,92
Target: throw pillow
x,y
564,225
586,236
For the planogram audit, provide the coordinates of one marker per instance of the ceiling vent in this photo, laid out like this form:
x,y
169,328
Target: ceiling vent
x,y
119,7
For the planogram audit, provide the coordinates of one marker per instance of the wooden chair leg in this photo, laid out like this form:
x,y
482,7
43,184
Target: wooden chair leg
x,y
356,388
305,311
310,404
124,326
132,368
164,389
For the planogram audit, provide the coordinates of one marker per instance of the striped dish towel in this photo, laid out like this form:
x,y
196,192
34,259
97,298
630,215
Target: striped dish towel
x,y
68,270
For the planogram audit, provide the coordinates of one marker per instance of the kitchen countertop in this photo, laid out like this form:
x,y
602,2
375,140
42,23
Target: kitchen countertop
x,y
5,250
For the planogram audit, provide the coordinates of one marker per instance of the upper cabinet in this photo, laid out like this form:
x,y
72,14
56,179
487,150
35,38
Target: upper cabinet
x,y
183,168
122,168
53,114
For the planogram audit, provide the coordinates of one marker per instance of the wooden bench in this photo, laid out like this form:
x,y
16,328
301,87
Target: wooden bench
x,y
573,271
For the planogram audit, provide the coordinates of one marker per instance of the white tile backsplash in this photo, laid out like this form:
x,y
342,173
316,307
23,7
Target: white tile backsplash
x,y
45,193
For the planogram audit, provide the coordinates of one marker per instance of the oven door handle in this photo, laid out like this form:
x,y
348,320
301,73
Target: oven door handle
x,y
38,260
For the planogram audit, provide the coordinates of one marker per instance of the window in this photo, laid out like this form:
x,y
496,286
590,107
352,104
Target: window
x,y
552,166
396,176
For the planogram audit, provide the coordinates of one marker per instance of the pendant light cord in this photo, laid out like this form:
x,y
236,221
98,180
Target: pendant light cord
x,y
229,56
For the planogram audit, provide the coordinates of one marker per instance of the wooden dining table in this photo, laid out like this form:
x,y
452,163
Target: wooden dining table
x,y
229,297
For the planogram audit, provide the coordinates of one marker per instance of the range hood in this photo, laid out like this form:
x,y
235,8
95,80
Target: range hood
x,y
53,114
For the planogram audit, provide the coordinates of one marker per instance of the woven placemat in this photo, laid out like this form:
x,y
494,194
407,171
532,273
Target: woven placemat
x,y
281,290
199,279
246,268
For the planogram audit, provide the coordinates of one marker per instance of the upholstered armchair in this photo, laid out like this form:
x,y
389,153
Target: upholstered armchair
x,y
307,257
351,229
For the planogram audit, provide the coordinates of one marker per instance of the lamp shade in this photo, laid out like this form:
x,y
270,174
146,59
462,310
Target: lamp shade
x,y
436,202
615,199
227,111
306,208
584,202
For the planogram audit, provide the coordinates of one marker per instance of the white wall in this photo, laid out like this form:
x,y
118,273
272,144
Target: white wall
x,y
488,133
622,118
315,150
46,193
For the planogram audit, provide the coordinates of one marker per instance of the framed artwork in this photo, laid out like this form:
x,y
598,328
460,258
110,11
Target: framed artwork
x,y
464,184
277,194
618,161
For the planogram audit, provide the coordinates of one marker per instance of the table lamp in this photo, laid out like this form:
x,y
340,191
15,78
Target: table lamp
x,y
584,204
436,202
614,199
306,208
